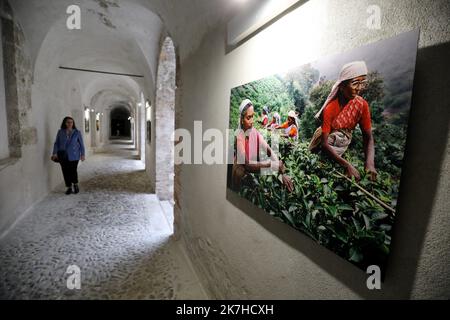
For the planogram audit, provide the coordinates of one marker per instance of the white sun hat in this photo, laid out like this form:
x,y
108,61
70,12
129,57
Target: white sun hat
x,y
349,71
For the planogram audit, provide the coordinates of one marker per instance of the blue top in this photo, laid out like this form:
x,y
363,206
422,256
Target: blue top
x,y
73,144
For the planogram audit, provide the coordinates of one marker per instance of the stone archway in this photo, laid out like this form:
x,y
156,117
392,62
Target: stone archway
x,y
165,121
120,123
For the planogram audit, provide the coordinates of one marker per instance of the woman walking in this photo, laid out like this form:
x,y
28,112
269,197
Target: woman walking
x,y
265,116
68,150
290,127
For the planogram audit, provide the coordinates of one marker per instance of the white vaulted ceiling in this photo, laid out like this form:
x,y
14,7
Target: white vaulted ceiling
x,y
185,20
121,36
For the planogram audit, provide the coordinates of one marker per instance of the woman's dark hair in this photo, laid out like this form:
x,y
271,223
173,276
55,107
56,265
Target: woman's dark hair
x,y
63,125
345,83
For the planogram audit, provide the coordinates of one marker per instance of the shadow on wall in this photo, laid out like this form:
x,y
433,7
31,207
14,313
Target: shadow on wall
x,y
425,150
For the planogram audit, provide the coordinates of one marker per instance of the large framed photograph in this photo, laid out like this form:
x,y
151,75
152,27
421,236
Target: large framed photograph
x,y
321,146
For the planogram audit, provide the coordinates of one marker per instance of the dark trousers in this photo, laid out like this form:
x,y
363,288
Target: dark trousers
x,y
69,169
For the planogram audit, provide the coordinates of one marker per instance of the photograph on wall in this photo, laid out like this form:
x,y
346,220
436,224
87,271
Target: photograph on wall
x,y
321,146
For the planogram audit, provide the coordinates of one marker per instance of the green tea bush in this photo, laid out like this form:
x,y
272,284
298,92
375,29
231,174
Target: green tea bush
x,y
328,208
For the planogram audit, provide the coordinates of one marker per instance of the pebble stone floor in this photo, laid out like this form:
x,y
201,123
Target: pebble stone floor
x,y
115,231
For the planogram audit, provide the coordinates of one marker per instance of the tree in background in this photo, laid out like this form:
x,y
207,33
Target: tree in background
x,y
298,97
304,78
318,96
270,91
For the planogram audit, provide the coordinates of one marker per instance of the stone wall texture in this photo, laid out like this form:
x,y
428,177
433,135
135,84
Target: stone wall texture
x,y
165,121
22,135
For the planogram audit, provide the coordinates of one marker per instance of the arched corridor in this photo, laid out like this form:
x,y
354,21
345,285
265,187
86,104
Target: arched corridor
x,y
120,123
119,229
115,231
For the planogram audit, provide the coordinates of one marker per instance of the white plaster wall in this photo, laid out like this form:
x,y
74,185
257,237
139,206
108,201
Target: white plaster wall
x,y
26,181
250,255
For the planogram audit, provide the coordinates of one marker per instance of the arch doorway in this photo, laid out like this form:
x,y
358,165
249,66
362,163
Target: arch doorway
x,y
165,122
121,123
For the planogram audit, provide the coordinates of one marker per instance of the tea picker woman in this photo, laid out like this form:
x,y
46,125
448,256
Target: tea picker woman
x,y
343,110
265,116
68,150
276,121
290,127
248,144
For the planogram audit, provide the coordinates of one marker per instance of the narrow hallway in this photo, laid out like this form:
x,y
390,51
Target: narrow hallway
x,y
115,231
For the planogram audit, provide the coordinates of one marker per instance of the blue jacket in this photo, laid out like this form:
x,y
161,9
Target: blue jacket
x,y
73,145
